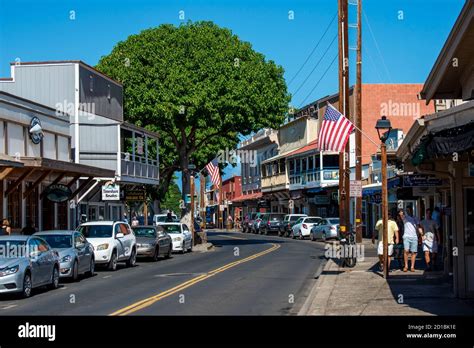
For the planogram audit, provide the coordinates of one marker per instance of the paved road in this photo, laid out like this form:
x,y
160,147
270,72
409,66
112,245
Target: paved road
x,y
245,275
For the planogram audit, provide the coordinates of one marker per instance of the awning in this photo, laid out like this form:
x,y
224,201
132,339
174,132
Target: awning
x,y
376,188
249,197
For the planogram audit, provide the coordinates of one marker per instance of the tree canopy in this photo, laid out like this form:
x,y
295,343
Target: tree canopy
x,y
199,86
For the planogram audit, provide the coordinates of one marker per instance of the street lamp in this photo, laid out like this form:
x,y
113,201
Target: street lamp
x,y
384,127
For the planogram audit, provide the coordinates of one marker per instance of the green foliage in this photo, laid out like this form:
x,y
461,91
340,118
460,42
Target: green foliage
x,y
197,85
172,197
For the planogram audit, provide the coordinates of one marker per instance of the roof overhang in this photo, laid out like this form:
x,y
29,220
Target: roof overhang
x,y
69,168
444,80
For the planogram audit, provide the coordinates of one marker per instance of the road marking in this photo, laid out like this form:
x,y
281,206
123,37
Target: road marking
x,y
223,235
10,306
151,300
107,276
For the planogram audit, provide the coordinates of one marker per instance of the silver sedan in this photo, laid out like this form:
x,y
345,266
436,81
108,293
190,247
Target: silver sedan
x,y
324,229
152,241
76,254
27,262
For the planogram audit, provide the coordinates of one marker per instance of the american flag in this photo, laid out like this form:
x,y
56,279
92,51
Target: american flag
x,y
335,131
213,170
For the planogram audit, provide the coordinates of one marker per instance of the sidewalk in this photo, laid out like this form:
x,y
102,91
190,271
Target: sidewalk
x,y
362,290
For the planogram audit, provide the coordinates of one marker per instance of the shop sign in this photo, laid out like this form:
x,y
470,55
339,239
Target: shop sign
x,y
135,195
110,192
421,181
319,200
58,193
423,191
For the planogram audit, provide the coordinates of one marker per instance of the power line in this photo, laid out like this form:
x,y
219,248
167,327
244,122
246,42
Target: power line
x,y
377,46
317,83
319,61
314,49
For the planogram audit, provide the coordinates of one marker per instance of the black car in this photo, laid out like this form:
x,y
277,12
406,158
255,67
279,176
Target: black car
x,y
272,223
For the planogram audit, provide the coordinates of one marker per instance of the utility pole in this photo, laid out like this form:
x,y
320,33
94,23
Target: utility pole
x,y
221,202
344,109
358,122
386,266
191,184
347,113
202,185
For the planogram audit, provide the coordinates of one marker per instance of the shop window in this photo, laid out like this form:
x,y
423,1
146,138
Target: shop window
x,y
14,207
31,203
292,166
317,162
282,165
303,164
310,163
330,161
469,216
62,215
297,166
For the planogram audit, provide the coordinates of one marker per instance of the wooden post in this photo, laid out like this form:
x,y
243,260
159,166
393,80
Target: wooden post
x,y
145,209
192,208
358,123
202,182
341,107
385,210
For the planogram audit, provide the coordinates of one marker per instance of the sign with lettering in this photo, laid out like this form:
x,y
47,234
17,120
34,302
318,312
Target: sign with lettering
x,y
355,188
135,195
58,193
421,181
111,192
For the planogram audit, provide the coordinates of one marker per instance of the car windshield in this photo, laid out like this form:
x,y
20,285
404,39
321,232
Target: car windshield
x,y
333,221
172,228
58,241
161,218
12,248
144,232
295,218
276,217
312,220
96,231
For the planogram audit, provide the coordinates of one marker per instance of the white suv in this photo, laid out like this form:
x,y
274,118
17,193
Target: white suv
x,y
113,242
181,237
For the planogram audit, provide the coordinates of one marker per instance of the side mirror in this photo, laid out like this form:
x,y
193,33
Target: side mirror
x,y
119,235
80,245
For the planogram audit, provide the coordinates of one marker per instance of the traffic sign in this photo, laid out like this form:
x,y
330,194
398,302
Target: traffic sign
x,y
355,188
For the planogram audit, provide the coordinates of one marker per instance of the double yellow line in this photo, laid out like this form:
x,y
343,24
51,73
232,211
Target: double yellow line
x,y
150,300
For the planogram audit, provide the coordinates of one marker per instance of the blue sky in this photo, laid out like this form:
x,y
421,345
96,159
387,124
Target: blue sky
x,y
401,38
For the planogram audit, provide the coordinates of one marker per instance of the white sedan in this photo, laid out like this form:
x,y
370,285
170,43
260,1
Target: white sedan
x,y
181,237
302,227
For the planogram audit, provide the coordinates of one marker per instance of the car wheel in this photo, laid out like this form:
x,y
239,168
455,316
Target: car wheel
x,y
133,258
75,271
112,266
190,247
54,278
91,270
168,255
312,236
27,286
156,255
301,236
183,249
324,236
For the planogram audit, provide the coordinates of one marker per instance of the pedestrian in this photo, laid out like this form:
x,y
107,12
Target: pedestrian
x,y
430,237
134,221
398,248
169,216
6,229
393,238
29,229
410,239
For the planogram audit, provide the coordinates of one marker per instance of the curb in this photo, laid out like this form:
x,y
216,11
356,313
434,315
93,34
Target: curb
x,y
324,266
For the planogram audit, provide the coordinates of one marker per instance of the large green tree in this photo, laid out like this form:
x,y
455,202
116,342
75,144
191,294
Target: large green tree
x,y
199,86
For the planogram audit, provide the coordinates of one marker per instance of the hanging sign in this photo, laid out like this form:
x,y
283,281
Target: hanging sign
x,y
110,192
58,193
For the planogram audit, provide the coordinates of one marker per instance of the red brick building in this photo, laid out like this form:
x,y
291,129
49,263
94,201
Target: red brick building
x,y
232,188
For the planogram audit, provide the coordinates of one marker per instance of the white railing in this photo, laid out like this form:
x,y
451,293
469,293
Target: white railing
x,y
141,167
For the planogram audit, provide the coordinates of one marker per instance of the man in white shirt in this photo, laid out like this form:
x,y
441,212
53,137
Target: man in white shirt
x,y
410,239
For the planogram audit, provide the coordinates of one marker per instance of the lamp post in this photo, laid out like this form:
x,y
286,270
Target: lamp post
x,y
384,127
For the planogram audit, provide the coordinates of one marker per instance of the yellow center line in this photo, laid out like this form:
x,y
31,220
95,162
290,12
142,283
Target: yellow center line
x,y
223,235
150,300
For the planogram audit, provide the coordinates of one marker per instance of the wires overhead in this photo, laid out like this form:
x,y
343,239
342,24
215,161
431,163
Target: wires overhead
x,y
317,83
313,50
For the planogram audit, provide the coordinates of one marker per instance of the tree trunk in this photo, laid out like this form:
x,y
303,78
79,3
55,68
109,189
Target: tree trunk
x,y
185,181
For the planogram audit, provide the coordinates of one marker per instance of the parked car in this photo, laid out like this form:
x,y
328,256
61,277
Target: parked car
x,y
160,218
113,242
326,228
255,227
302,227
271,223
288,223
152,241
76,254
27,262
181,237
248,221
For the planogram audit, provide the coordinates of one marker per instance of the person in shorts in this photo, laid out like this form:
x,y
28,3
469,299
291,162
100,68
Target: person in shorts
x,y
430,237
392,231
410,239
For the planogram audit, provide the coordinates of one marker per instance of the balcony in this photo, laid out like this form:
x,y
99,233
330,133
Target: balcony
x,y
139,163
314,178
